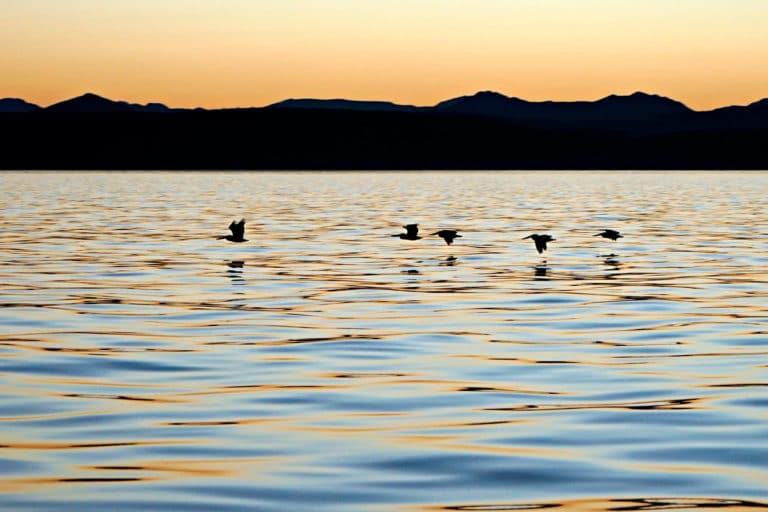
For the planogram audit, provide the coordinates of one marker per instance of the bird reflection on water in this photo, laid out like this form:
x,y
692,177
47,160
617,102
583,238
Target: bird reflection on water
x,y
449,261
235,272
613,266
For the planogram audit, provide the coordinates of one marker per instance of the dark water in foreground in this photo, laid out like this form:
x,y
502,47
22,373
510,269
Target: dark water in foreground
x,y
327,366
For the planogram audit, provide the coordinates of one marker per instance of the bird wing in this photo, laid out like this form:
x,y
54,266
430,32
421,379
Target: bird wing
x,y
541,244
237,228
412,229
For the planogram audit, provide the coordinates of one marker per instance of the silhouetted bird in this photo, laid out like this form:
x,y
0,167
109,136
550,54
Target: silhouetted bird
x,y
611,234
540,241
238,231
411,232
448,235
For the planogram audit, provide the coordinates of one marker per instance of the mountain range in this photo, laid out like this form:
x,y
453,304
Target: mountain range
x,y
88,102
486,130
638,106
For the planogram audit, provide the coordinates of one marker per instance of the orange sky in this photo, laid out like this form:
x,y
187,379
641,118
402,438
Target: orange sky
x,y
217,53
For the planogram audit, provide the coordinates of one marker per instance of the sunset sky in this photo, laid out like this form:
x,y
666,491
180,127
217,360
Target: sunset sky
x,y
217,53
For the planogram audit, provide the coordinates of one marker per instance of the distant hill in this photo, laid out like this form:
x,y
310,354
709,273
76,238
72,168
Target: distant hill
x,y
150,107
17,105
636,107
487,103
90,102
754,115
341,104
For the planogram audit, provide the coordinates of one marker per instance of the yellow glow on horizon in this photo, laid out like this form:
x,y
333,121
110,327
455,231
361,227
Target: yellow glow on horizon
x,y
705,53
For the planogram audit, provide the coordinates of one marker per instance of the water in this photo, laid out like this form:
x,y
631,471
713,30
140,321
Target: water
x,y
325,365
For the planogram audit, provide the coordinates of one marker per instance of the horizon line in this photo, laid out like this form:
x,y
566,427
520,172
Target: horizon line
x,y
368,100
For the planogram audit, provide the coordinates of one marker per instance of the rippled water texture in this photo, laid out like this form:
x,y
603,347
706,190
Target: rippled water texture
x,y
326,365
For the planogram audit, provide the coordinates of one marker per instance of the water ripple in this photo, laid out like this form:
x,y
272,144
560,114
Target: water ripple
x,y
145,365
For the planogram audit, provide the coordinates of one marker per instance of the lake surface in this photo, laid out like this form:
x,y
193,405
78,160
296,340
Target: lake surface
x,y
325,365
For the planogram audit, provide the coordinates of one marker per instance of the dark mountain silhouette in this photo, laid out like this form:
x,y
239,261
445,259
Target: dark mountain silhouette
x,y
17,105
150,107
754,115
90,102
636,107
484,131
341,104
487,103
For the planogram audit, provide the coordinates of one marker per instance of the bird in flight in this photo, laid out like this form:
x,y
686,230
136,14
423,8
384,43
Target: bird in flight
x,y
448,235
611,234
411,232
238,232
540,241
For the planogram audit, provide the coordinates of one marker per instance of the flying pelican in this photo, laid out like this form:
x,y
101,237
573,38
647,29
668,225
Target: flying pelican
x,y
411,232
540,241
448,235
611,234
238,230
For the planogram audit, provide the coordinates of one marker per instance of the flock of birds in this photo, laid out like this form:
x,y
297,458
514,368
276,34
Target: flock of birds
x,y
412,233
539,240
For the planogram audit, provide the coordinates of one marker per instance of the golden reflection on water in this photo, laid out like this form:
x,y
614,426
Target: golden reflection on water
x,y
325,364
617,505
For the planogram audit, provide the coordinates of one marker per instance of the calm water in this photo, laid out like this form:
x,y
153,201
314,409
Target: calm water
x,y
325,365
